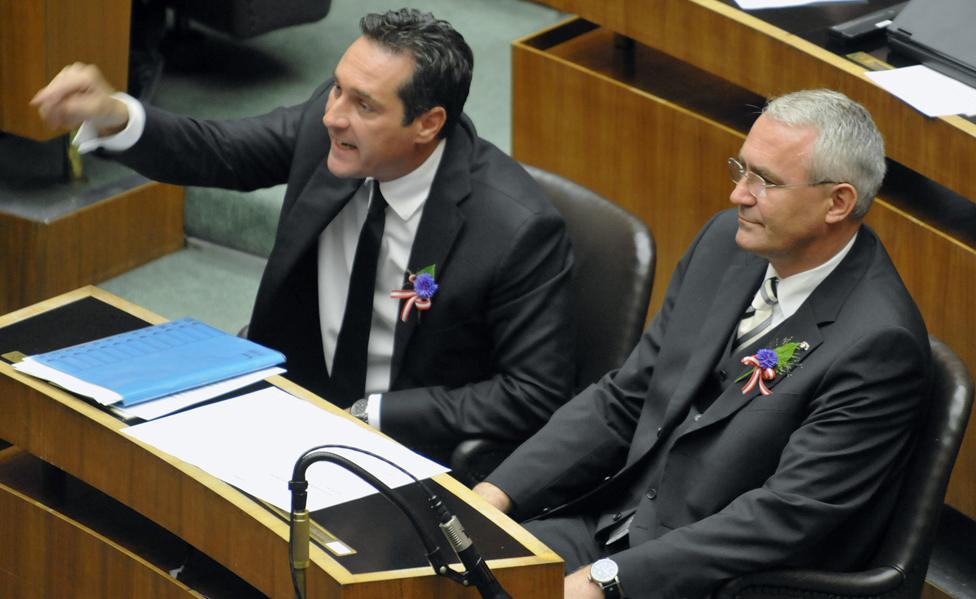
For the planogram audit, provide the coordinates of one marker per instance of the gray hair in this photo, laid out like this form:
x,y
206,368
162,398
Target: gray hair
x,y
849,148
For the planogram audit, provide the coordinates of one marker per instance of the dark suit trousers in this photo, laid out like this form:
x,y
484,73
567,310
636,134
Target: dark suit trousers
x,y
574,538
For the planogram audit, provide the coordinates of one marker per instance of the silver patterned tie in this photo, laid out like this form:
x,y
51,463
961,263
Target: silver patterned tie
x,y
759,315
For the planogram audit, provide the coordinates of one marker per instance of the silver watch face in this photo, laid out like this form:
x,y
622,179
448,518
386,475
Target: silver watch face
x,y
359,409
603,570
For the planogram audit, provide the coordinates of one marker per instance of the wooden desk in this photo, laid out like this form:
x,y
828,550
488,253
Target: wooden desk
x,y
37,39
64,549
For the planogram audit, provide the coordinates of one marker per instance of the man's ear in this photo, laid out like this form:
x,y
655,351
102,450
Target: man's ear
x,y
843,199
430,124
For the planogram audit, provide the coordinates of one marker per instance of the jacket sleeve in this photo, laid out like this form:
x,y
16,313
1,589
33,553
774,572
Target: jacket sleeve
x,y
241,154
588,438
856,430
532,352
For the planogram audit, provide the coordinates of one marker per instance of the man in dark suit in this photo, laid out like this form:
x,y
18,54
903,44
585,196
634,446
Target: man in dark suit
x,y
380,157
765,416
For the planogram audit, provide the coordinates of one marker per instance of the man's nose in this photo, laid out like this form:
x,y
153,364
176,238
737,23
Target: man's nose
x,y
334,117
740,196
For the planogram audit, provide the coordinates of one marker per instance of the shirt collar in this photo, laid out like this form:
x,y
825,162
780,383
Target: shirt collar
x,y
407,194
792,291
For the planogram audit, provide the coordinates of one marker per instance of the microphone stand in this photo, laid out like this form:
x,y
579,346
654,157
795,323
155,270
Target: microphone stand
x,y
476,570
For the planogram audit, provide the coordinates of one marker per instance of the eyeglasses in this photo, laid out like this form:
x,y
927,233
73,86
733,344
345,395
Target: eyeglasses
x,y
756,185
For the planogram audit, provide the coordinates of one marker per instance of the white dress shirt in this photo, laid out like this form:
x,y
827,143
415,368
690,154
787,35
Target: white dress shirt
x,y
406,198
792,291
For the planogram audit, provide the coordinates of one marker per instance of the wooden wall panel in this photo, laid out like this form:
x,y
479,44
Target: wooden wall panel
x,y
39,37
561,123
940,272
577,115
718,38
57,557
43,259
22,63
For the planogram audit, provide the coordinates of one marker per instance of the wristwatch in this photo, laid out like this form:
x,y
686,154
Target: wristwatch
x,y
358,410
603,573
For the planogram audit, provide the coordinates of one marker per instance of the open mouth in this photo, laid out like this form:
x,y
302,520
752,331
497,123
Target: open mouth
x,y
342,145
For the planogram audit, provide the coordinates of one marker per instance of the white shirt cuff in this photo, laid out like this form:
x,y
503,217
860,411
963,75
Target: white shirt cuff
x,y
87,138
373,409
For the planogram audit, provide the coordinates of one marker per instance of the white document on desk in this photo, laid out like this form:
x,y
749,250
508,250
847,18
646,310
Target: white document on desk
x,y
164,406
928,91
253,442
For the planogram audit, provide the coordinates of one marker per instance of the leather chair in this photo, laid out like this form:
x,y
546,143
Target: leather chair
x,y
898,567
247,18
612,277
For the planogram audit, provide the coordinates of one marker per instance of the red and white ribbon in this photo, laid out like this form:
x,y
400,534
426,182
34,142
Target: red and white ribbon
x,y
413,300
759,376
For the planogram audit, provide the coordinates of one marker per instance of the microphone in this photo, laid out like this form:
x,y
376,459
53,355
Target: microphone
x,y
476,570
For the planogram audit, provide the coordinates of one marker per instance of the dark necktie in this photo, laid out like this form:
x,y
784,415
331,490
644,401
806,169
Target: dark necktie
x,y
759,315
349,366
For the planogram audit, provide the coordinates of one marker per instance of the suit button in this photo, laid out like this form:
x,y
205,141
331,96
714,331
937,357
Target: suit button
x,y
659,429
697,417
722,375
617,516
652,494
544,510
606,478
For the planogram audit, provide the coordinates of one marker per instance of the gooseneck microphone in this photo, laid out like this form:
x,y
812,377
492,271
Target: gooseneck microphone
x,y
476,570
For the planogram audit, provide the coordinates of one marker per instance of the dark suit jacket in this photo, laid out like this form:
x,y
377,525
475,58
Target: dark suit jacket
x,y
491,357
798,477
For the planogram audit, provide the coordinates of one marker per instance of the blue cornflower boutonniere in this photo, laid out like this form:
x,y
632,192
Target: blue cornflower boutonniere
x,y
424,288
768,363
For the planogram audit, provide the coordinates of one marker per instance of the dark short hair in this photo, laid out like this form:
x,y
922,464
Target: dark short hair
x,y
443,61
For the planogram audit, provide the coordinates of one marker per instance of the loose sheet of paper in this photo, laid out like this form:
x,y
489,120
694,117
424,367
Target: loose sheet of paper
x,y
253,442
157,408
928,91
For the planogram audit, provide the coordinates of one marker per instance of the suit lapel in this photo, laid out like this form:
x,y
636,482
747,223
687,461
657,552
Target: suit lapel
x,y
318,204
801,327
738,284
439,226
734,293
818,311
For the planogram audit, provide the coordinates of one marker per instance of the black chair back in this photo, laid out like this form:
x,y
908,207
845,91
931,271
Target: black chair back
x,y
613,272
907,545
901,560
612,278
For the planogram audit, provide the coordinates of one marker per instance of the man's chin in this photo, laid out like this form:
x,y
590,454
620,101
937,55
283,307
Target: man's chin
x,y
745,240
342,169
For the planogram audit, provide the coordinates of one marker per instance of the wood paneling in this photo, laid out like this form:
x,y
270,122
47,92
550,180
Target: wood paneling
x,y
39,37
608,119
49,555
766,60
602,129
209,514
940,273
42,259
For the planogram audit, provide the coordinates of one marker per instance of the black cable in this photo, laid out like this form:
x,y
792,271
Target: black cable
x,y
299,484
477,572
